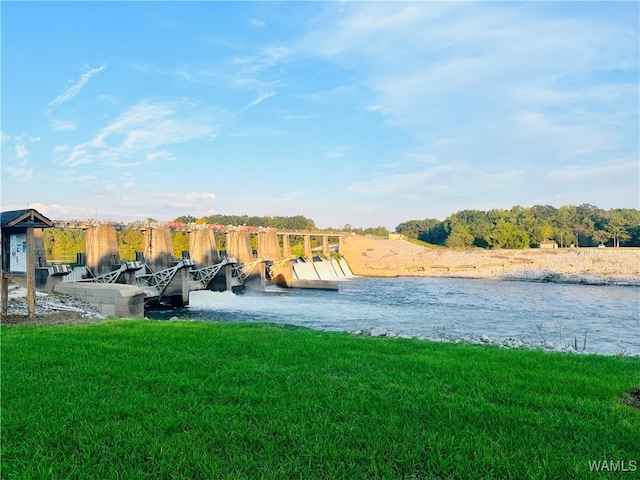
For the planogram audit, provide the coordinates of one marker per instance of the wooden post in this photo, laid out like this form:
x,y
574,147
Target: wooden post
x,y
31,273
5,293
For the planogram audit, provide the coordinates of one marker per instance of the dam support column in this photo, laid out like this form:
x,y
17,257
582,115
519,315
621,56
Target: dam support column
x,y
158,248
307,248
325,247
268,246
239,246
286,245
102,249
202,247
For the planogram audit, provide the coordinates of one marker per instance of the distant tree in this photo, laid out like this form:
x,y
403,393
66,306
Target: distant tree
x,y
508,235
129,242
185,219
436,235
601,237
180,243
415,228
616,229
376,231
459,233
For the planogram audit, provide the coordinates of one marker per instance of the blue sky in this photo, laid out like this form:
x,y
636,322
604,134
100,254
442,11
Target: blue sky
x,y
366,113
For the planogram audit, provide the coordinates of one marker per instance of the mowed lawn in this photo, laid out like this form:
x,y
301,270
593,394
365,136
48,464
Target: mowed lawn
x,y
194,400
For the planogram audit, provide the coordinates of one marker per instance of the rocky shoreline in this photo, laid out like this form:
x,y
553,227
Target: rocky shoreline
x,y
50,309
589,266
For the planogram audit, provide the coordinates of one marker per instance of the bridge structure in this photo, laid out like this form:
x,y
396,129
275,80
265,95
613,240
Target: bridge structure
x,y
166,279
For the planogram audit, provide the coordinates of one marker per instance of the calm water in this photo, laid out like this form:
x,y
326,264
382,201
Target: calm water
x,y
444,308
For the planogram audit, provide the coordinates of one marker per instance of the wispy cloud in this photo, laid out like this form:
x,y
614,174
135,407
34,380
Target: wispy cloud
x,y
260,99
210,196
442,65
21,151
19,173
142,131
62,125
76,87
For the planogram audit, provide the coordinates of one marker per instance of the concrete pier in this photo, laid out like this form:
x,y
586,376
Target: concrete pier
x,y
308,254
239,246
268,246
325,246
158,248
286,245
202,247
102,249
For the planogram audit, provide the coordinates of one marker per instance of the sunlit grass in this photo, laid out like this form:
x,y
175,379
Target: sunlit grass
x,y
144,399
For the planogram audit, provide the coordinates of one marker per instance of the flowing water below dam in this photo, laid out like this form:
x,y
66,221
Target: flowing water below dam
x,y
595,319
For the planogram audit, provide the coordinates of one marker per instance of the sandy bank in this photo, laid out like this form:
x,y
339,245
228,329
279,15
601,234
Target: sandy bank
x,y
373,257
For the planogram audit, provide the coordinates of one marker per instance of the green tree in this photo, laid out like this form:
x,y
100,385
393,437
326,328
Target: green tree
x,y
616,229
508,235
180,243
459,234
129,242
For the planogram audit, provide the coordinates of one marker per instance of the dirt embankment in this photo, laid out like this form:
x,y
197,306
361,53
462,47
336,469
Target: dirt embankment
x,y
374,257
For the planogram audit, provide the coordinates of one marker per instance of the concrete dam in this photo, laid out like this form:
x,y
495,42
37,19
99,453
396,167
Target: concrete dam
x,y
165,280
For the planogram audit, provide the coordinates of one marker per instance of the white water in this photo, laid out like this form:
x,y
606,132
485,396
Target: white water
x,y
515,313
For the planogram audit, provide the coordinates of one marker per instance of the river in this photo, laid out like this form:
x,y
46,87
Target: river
x,y
599,319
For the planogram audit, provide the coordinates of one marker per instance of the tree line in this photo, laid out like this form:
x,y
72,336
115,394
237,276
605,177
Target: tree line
x,y
297,222
583,225
520,227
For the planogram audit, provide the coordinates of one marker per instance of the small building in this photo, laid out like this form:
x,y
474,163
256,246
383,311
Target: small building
x,y
548,244
20,253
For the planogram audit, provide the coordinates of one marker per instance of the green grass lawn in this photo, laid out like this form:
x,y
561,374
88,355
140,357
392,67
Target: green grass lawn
x,y
163,400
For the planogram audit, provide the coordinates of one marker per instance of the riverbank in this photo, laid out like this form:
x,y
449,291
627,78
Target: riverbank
x,y
392,258
144,399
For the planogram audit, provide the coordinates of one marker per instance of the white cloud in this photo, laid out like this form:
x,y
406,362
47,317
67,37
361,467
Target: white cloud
x,y
62,125
209,196
615,168
260,99
19,173
21,151
56,211
141,130
75,88
160,155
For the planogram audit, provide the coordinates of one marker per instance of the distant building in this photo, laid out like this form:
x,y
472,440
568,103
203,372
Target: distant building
x,y
396,236
548,244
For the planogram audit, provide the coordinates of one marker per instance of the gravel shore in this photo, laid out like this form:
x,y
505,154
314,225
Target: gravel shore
x,y
50,309
599,266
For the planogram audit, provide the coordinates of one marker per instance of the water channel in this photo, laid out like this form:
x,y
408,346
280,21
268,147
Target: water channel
x,y
596,319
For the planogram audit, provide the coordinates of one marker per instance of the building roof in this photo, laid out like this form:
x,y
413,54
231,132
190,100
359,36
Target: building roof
x,y
24,219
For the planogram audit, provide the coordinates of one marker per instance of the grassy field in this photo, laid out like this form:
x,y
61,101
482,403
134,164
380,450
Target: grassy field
x,y
164,400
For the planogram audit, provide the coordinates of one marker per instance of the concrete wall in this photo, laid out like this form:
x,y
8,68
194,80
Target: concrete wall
x,y
125,301
102,249
353,248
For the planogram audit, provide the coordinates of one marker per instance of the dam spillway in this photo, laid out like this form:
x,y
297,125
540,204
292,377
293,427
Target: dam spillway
x,y
321,273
